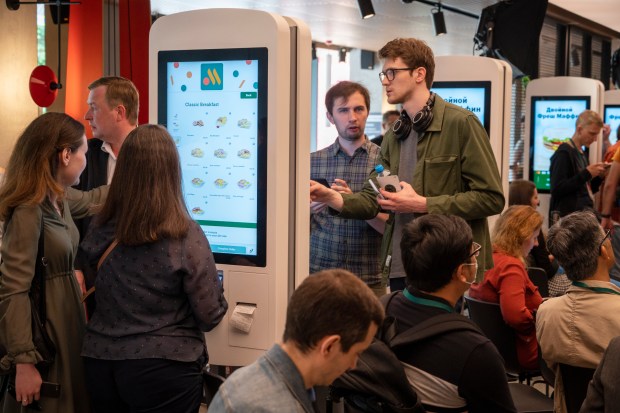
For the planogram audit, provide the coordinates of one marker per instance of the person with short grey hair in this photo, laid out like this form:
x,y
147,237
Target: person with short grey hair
x,y
578,255
583,320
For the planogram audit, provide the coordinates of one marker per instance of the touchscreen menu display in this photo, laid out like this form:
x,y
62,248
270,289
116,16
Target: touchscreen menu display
x,y
213,103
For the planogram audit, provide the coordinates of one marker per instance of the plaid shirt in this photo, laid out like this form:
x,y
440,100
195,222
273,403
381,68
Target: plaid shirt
x,y
345,243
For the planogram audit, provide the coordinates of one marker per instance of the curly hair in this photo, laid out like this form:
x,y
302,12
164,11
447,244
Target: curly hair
x,y
513,227
414,53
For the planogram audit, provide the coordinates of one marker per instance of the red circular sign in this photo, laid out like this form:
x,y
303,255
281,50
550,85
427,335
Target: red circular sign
x,y
41,80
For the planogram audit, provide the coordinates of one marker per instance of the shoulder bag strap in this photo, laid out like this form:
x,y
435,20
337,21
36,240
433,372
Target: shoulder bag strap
x,y
99,264
38,280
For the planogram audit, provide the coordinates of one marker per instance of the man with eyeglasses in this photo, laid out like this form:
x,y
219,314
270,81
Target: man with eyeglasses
x,y
576,328
460,370
441,154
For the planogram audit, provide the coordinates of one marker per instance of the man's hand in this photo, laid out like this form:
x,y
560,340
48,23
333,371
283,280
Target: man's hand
x,y
341,186
327,196
597,169
405,201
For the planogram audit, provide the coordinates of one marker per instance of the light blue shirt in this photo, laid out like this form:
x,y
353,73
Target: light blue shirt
x,y
270,384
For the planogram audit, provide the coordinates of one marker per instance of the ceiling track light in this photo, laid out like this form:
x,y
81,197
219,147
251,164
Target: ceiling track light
x,y
438,21
366,8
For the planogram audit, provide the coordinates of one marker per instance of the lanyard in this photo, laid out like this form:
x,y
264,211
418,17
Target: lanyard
x,y
598,290
427,302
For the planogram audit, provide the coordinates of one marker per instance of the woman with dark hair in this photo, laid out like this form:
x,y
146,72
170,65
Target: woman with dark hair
x,y
36,201
507,283
157,286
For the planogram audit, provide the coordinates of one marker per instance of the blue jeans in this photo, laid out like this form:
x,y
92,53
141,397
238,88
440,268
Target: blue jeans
x,y
153,385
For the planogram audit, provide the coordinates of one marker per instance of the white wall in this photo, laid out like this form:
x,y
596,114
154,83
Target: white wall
x,y
18,42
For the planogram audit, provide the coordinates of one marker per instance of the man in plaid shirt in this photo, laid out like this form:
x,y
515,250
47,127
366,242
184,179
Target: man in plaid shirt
x,y
352,244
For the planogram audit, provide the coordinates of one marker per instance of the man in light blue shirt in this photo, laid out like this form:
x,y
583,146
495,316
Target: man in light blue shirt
x,y
331,319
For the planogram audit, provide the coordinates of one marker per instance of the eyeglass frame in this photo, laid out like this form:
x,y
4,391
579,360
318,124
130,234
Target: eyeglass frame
x,y
600,246
384,75
476,252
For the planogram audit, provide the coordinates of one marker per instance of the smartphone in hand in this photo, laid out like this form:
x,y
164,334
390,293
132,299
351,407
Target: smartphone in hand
x,y
322,181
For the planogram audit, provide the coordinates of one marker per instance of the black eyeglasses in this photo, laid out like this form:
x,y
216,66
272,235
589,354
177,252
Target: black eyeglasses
x,y
390,73
604,238
476,252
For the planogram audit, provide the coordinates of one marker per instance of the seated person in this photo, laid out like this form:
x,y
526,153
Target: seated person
x,y
507,283
524,192
462,370
331,318
603,395
576,328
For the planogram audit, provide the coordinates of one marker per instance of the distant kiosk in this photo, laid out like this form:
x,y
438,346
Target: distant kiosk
x,y
231,87
482,85
611,113
552,107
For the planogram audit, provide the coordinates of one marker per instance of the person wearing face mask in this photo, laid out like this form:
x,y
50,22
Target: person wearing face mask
x,y
507,283
441,259
575,329
573,180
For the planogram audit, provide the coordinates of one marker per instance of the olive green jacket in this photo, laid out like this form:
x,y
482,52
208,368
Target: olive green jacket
x,y
456,171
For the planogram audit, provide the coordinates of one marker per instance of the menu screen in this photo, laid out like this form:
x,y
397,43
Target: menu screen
x,y
474,96
213,103
552,123
612,118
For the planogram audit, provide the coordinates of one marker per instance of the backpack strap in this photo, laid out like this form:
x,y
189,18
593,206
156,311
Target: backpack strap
x,y
434,326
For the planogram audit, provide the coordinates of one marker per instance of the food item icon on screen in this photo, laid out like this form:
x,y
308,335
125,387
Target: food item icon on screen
x,y
244,154
198,123
220,153
198,182
244,123
220,183
221,121
198,153
197,211
243,184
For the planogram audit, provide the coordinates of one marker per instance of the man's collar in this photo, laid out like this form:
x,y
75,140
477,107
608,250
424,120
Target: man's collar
x,y
107,148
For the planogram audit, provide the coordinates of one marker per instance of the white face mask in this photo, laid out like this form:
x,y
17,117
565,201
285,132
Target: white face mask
x,y
475,272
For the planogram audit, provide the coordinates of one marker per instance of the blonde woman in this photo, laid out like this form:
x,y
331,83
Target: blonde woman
x,y
508,284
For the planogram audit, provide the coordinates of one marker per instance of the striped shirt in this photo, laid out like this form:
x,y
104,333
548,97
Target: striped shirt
x,y
338,242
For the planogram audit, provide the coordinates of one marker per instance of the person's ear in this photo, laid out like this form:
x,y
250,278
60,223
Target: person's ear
x,y
328,344
121,112
330,118
421,75
65,156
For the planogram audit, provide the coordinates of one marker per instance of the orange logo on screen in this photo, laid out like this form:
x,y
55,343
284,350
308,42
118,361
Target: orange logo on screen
x,y
212,75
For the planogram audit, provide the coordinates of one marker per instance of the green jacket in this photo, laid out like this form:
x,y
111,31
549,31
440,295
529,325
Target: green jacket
x,y
455,171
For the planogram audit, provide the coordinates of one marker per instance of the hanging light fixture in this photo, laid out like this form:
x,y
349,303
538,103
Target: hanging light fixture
x,y
438,20
366,8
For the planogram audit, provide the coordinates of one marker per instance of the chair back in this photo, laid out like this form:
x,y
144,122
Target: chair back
x,y
489,318
575,381
538,276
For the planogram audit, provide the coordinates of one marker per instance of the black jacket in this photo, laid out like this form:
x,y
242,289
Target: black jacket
x,y
569,192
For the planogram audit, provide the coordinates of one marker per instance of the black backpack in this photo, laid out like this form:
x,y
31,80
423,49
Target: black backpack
x,y
379,384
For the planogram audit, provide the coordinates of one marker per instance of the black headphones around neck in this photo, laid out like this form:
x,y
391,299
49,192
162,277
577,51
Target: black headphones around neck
x,y
421,120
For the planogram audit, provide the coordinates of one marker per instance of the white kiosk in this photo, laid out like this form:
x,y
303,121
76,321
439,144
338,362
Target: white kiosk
x,y
231,87
552,107
611,114
482,85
